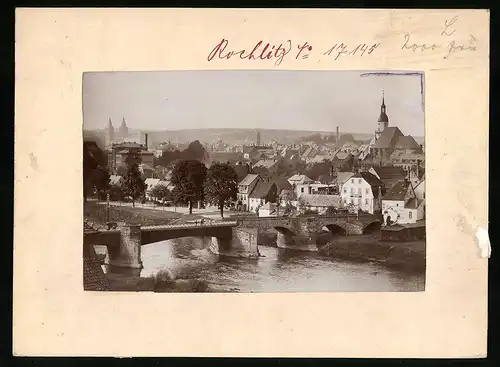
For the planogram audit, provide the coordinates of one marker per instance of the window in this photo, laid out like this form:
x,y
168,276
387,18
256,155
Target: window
x,y
302,189
352,201
352,190
359,181
359,190
367,191
366,201
352,181
345,190
409,214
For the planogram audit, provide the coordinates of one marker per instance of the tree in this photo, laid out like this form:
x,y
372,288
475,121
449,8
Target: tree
x,y
100,181
133,184
93,156
161,192
188,178
221,184
195,151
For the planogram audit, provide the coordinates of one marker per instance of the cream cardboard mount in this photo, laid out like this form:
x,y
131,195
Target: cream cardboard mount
x,y
53,316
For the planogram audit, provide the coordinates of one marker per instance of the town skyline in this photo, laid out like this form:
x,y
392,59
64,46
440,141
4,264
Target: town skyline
x,y
323,101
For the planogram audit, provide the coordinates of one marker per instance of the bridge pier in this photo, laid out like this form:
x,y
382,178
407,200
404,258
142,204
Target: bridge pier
x,y
128,253
240,242
299,243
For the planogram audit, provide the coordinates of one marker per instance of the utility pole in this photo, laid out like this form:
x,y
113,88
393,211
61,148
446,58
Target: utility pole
x,y
107,207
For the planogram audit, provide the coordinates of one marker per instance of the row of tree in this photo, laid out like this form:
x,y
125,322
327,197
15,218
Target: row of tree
x,y
194,182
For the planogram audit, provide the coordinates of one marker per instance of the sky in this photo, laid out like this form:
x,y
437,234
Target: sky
x,y
289,100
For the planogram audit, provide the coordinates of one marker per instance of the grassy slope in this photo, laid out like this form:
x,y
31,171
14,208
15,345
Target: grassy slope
x,y
97,213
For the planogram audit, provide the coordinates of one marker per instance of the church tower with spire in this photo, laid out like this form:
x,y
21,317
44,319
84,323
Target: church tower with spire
x,y
383,119
123,131
110,133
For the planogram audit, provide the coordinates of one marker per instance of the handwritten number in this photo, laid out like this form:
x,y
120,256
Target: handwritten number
x,y
373,48
330,50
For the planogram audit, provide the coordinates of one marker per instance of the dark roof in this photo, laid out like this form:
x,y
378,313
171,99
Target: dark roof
x,y
389,171
406,142
412,203
326,179
398,191
372,180
390,175
261,190
388,138
281,183
93,275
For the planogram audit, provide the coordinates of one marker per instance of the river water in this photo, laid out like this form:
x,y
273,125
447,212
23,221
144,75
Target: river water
x,y
279,270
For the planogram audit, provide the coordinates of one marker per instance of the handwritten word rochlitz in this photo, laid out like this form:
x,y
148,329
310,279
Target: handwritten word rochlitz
x,y
343,49
260,51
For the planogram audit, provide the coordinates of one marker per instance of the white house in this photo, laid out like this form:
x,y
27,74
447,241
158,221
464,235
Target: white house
x,y
150,184
362,191
400,205
245,187
262,193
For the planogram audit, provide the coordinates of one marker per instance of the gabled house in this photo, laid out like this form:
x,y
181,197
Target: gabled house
x,y
299,179
389,175
281,183
363,191
245,188
269,166
400,205
262,193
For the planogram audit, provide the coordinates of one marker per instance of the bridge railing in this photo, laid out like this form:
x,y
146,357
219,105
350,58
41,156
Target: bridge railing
x,y
192,225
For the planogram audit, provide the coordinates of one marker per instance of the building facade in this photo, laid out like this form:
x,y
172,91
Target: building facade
x,y
362,191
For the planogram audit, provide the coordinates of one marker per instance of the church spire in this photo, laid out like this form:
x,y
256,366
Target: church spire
x,y
382,107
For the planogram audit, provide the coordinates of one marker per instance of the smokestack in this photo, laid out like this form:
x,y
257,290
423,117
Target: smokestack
x,y
337,140
146,140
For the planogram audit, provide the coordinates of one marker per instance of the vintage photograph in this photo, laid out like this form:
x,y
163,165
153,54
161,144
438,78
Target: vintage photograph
x,y
254,181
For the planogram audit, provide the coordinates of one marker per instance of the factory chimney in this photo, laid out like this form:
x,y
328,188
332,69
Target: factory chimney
x,y
146,141
337,140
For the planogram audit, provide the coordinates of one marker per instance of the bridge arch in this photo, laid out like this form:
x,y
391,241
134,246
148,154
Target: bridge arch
x,y
284,231
371,227
335,229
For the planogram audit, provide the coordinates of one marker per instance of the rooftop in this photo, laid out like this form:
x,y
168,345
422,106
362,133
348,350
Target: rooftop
x,y
321,200
261,190
388,138
398,191
248,179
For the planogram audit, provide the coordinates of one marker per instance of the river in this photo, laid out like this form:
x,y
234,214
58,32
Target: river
x,y
278,270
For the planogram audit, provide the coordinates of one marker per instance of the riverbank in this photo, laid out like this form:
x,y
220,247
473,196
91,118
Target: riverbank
x,y
408,257
96,213
158,283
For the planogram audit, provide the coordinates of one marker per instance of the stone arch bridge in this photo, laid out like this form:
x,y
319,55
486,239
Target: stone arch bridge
x,y
234,237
